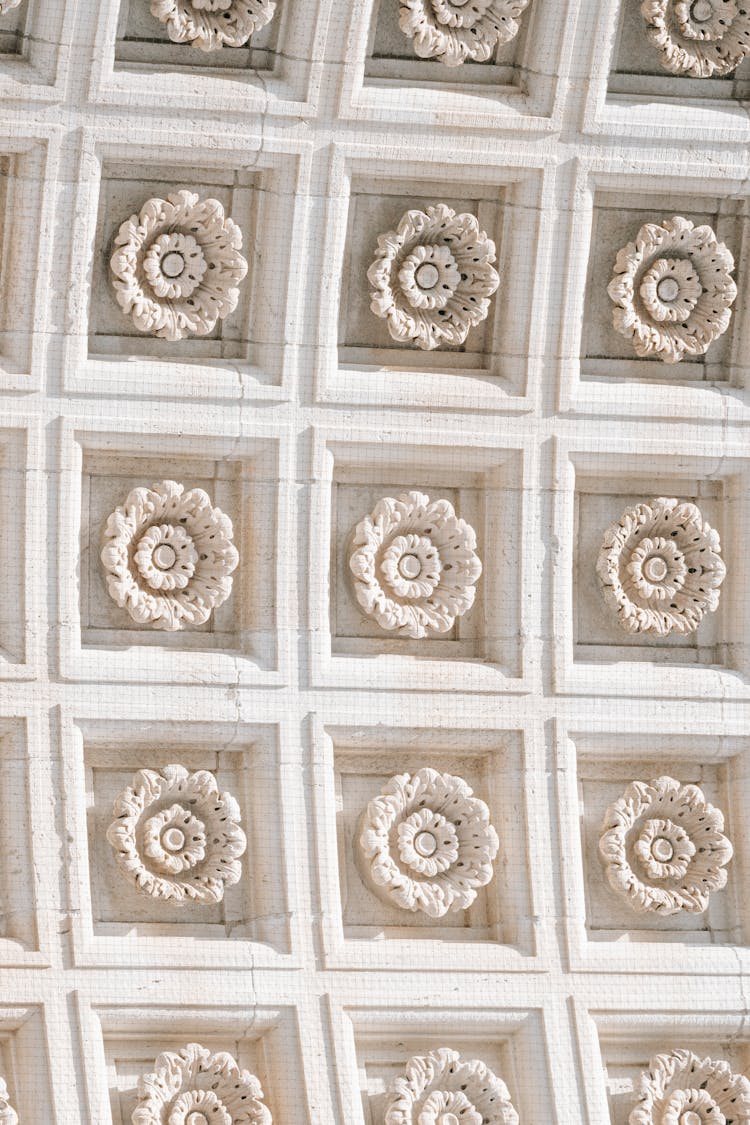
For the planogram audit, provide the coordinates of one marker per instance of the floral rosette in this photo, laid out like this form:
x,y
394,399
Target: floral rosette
x,y
426,843
680,1088
213,24
442,1088
432,277
177,266
199,1087
459,31
699,38
414,565
660,567
176,837
672,290
663,847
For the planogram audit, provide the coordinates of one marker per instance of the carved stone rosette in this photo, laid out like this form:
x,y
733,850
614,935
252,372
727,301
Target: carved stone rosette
x,y
414,565
663,847
177,266
699,38
8,1115
426,843
443,1089
672,290
433,277
198,1087
176,837
168,556
213,24
680,1088
660,567
454,31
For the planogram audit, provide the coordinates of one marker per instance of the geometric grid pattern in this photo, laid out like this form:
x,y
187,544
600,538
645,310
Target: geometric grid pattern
x,y
544,431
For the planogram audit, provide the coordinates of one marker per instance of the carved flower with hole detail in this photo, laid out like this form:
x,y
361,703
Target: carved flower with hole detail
x,y
699,38
168,556
441,1088
177,266
213,24
176,837
672,289
8,1115
454,31
414,565
660,567
679,1088
426,843
664,848
433,277
199,1087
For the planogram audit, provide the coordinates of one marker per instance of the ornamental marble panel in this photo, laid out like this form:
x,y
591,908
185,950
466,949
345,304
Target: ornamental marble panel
x,y
500,912
244,621
600,502
25,1051
637,69
610,916
124,190
143,41
628,1042
617,218
489,501
264,1041
494,349
508,1044
253,909
391,55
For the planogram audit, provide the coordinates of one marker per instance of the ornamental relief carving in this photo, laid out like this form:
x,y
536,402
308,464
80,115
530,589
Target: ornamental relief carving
x,y
176,837
213,24
414,565
432,277
8,6
441,1088
680,1088
199,1087
699,38
177,266
663,847
660,567
8,1115
426,843
459,31
672,290
168,556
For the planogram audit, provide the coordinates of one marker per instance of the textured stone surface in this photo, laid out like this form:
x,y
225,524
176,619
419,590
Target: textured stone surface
x,y
296,413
